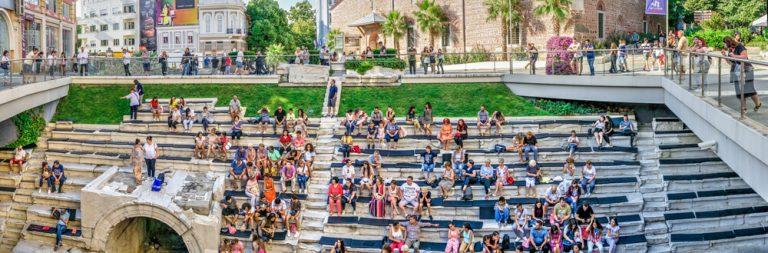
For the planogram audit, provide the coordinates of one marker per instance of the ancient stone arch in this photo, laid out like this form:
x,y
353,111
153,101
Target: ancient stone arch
x,y
143,210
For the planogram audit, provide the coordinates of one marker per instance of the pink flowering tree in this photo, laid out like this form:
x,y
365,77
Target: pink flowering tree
x,y
558,58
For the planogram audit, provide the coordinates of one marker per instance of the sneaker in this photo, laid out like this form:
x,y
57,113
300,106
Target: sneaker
x,y
39,190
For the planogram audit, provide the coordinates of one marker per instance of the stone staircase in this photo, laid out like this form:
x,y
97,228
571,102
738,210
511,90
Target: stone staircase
x,y
316,213
654,197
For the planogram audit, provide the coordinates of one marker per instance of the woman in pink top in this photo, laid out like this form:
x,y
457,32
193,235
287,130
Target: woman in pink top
x,y
454,239
335,192
237,246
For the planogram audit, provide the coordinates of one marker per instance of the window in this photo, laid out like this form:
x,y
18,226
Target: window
x,y
93,28
65,10
51,5
92,14
93,43
103,12
129,9
600,25
645,24
177,40
446,36
165,39
115,10
66,41
219,23
129,41
104,43
411,37
104,28
514,34
207,23
116,26
116,42
190,39
129,25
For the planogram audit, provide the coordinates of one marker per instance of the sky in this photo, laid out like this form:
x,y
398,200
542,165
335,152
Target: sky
x,y
286,4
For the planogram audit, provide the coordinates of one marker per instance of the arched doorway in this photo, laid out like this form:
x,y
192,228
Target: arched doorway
x,y
5,36
142,234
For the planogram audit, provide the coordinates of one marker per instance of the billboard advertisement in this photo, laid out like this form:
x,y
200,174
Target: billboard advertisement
x,y
147,22
176,12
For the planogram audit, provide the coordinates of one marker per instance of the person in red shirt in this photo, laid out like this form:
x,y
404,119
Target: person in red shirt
x,y
285,142
335,191
223,145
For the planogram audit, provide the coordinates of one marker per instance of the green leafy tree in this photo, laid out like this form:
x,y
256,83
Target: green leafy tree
x,y
395,26
701,5
678,13
559,10
301,18
274,55
499,10
331,38
269,25
430,19
738,13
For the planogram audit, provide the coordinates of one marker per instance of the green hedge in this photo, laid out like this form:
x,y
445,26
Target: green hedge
x,y
391,52
30,125
246,53
393,63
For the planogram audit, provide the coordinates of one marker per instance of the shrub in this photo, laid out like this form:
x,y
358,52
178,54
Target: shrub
x,y
477,54
392,63
30,125
563,107
558,58
246,53
391,52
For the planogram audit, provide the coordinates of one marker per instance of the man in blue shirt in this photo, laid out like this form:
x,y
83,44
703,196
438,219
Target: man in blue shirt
x,y
332,90
540,242
627,128
61,226
469,174
237,173
428,161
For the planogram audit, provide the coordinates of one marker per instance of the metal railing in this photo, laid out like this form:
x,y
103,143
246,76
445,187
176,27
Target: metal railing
x,y
688,68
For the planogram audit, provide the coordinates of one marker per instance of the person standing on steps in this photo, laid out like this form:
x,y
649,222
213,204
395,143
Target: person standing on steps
x,y
332,92
134,101
150,156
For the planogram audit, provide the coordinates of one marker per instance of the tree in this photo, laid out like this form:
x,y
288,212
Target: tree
x,y
429,19
558,9
395,26
301,18
269,25
678,12
700,5
500,10
331,38
739,13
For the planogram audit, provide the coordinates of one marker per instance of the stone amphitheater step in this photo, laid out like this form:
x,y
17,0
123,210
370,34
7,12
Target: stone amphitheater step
x,y
41,215
152,126
163,163
684,151
703,182
163,137
702,199
513,125
26,246
676,138
219,113
718,218
545,155
551,140
667,124
730,239
694,168
50,238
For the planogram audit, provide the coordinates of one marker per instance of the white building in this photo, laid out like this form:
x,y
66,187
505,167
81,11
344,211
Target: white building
x,y
174,39
223,26
323,20
109,24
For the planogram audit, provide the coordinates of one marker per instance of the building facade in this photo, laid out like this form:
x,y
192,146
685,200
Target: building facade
x,y
48,25
469,29
108,25
222,25
10,28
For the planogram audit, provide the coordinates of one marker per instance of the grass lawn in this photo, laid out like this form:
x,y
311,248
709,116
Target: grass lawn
x,y
448,100
103,104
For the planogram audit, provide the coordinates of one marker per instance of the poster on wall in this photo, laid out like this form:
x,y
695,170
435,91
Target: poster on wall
x,y
656,7
176,12
148,38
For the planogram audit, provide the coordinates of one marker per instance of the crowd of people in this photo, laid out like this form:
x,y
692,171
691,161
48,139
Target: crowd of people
x,y
560,221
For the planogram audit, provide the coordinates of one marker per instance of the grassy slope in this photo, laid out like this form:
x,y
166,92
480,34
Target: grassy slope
x,y
104,105
448,100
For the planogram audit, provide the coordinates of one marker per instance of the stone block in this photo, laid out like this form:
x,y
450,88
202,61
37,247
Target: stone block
x,y
302,74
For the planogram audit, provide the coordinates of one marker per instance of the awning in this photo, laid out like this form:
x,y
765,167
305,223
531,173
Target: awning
x,y
760,22
372,18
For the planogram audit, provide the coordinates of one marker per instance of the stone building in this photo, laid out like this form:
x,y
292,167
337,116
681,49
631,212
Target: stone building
x,y
108,25
10,28
222,25
48,25
361,21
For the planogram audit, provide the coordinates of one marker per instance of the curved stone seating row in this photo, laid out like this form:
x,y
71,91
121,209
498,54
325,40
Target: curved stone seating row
x,y
162,126
157,136
544,139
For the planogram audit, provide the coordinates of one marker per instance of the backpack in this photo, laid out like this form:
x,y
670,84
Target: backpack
x,y
505,242
498,148
467,194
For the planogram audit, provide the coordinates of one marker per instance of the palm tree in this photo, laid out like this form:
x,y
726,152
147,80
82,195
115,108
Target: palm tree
x,y
395,26
430,18
500,9
558,9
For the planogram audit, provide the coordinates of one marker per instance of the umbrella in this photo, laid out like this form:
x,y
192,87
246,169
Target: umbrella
x,y
760,22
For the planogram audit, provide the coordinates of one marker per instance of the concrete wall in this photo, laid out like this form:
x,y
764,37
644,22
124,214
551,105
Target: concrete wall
x,y
21,98
742,144
619,89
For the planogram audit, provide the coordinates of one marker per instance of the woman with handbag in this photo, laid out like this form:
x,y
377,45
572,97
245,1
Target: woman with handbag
x,y
447,180
737,50
504,176
461,133
377,206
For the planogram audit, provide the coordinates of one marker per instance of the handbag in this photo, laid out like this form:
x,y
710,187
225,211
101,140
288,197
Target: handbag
x,y
355,149
510,180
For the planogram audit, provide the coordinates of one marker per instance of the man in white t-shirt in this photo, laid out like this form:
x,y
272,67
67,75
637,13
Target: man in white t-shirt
x,y
410,195
348,171
150,156
82,60
239,61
